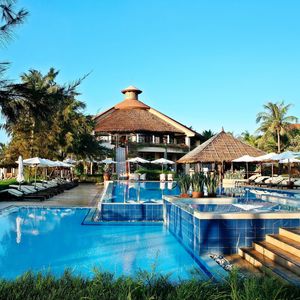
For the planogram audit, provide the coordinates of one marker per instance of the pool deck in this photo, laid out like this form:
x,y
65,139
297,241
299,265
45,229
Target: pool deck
x,y
84,195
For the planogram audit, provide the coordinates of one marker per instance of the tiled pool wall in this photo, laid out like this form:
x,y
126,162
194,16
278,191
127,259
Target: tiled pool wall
x,y
223,236
131,212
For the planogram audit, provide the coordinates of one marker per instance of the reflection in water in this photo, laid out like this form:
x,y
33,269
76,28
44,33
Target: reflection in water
x,y
41,239
35,221
18,226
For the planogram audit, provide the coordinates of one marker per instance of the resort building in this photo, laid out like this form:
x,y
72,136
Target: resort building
x,y
136,129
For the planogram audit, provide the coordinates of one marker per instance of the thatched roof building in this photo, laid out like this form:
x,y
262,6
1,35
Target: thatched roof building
x,y
133,116
222,147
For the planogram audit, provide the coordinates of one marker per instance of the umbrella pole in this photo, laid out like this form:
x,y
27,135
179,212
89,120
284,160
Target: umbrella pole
x,y
289,170
272,170
247,176
35,176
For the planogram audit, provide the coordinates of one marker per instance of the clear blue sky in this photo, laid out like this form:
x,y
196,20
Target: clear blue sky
x,y
207,64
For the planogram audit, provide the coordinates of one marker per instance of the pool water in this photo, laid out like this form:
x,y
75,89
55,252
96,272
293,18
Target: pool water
x,y
53,239
141,191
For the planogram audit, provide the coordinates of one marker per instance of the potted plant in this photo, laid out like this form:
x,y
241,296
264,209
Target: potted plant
x,y
197,185
184,182
212,183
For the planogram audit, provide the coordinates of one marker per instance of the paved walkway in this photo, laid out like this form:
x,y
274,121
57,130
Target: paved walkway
x,y
84,195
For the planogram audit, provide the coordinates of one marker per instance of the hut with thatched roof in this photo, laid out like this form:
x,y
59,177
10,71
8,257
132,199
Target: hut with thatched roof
x,y
220,149
136,126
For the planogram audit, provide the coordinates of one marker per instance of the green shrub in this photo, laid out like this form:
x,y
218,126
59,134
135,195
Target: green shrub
x,y
153,174
184,182
144,286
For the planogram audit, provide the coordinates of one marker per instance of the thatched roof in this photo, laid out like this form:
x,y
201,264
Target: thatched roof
x,y
133,120
222,147
133,116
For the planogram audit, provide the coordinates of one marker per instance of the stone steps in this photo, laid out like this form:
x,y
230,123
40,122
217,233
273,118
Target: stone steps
x,y
279,254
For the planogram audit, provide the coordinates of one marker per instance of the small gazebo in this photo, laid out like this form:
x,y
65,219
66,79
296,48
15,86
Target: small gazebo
x,y
219,149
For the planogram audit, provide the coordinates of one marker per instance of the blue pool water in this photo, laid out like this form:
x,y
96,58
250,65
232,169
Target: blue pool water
x,y
141,191
43,239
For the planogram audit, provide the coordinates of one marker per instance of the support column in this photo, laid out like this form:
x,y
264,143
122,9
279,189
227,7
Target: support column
x,y
188,141
137,138
168,139
153,139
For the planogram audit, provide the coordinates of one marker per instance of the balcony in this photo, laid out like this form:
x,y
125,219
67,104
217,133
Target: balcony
x,y
157,147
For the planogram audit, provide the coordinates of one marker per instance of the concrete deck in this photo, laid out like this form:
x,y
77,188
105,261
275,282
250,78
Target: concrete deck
x,y
84,195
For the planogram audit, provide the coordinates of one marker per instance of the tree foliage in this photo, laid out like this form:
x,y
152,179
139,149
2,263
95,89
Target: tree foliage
x,y
275,122
10,18
44,118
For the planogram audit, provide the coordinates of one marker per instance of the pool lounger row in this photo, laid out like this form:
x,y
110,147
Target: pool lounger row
x,y
41,191
276,181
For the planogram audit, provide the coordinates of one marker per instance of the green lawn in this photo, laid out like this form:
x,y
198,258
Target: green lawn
x,y
5,183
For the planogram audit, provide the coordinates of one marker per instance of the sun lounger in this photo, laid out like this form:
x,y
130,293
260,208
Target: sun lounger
x,y
286,183
31,190
259,180
240,182
13,194
170,177
162,177
272,182
296,184
143,176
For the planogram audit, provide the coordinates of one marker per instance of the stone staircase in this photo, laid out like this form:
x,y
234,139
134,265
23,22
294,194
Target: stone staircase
x,y
121,162
278,254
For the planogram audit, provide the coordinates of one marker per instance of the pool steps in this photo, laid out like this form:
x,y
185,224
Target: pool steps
x,y
278,254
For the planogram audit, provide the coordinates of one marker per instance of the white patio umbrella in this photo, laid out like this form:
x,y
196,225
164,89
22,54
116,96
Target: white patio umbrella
x,y
285,156
38,162
246,159
138,160
162,162
108,161
70,161
20,176
266,158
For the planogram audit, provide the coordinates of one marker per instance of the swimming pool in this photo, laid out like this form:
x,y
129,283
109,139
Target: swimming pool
x,y
53,239
130,192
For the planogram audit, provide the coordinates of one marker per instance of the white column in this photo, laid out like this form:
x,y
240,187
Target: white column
x,y
168,139
153,139
137,138
109,138
188,141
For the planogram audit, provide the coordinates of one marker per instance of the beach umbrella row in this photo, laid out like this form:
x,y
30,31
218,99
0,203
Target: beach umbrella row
x,y
37,162
286,157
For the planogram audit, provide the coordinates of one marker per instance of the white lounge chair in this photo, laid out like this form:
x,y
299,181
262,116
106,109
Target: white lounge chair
x,y
170,177
143,176
162,177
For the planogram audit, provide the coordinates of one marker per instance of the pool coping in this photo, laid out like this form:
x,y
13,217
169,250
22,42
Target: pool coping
x,y
231,215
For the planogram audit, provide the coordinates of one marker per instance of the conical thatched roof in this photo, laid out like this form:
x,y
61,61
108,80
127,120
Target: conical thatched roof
x,y
133,120
133,116
222,147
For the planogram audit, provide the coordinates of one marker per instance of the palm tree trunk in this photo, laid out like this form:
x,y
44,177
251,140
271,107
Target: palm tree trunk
x,y
278,141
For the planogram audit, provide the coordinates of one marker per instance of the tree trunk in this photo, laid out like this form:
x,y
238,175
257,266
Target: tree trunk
x,y
278,141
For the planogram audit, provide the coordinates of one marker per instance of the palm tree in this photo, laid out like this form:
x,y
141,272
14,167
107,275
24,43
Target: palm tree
x,y
249,138
207,134
10,18
274,120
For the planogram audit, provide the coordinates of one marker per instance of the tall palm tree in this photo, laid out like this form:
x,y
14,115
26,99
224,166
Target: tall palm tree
x,y
10,18
274,120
